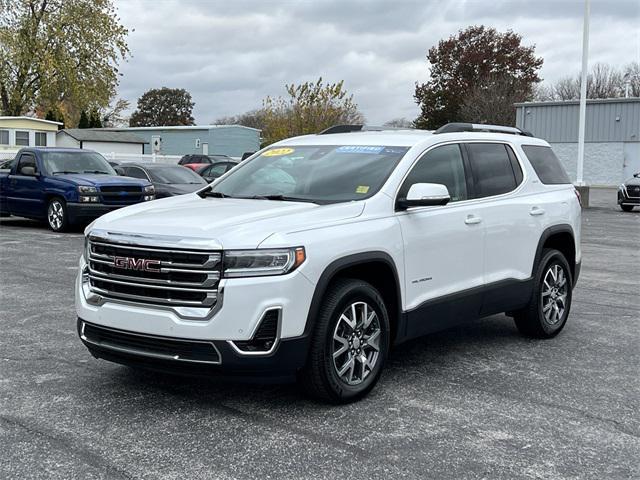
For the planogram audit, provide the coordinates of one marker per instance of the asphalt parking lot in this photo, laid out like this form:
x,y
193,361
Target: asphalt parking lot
x,y
472,402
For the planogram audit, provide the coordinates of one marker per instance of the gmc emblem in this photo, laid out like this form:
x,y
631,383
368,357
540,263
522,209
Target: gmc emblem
x,y
140,264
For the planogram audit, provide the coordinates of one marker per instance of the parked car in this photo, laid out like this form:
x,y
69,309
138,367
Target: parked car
x,y
629,193
215,170
319,255
168,180
65,186
7,164
196,161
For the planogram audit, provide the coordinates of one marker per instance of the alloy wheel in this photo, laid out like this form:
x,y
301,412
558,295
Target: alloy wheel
x,y
55,214
555,288
356,343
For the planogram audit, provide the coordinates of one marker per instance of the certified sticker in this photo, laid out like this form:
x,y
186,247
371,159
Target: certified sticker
x,y
362,189
276,152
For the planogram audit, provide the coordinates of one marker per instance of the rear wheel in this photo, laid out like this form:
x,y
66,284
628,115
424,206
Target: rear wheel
x,y
349,345
626,208
550,302
57,217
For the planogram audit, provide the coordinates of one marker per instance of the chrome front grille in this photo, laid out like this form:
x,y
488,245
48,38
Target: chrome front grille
x,y
155,275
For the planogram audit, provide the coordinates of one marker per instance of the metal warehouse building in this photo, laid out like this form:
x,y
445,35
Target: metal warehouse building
x,y
232,140
612,135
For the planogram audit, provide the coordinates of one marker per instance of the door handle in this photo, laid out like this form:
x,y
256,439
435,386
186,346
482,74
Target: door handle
x,y
536,211
472,220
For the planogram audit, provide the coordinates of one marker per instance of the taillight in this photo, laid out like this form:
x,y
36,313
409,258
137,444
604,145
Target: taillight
x,y
578,196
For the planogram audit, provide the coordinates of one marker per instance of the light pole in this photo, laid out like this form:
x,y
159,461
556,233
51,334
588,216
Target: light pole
x,y
583,104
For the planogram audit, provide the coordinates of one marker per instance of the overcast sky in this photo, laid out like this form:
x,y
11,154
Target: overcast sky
x,y
230,54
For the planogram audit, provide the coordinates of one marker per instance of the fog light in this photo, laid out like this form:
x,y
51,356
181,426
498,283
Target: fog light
x,y
149,197
86,199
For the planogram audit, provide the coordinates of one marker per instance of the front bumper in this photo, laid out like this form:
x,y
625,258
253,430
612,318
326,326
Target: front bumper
x,y
624,198
83,212
151,353
242,305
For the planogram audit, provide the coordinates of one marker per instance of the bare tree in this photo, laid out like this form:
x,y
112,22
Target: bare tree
x,y
492,101
603,81
398,123
631,79
252,118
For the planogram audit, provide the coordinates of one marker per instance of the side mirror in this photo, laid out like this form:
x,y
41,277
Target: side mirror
x,y
425,195
637,175
119,171
28,171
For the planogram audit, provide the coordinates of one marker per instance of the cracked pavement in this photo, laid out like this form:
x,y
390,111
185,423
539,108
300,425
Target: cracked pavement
x,y
473,402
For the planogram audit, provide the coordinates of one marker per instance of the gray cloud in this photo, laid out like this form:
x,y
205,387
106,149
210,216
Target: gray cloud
x,y
231,54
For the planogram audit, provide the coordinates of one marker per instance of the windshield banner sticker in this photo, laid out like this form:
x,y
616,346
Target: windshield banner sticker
x,y
359,149
276,152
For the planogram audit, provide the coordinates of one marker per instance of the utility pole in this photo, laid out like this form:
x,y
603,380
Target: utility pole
x,y
583,104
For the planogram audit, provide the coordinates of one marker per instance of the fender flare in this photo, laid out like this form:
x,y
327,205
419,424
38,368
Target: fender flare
x,y
342,263
548,232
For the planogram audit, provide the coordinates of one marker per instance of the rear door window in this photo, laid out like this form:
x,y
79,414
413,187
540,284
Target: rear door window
x,y
493,170
546,164
135,172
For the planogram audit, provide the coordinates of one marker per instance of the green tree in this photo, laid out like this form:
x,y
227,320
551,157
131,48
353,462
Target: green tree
x,y
310,108
63,52
94,119
84,120
475,60
163,107
54,114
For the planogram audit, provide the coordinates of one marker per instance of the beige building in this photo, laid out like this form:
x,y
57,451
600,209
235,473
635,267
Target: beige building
x,y
18,132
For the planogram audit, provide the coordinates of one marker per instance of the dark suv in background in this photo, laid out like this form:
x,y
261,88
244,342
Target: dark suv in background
x,y
629,193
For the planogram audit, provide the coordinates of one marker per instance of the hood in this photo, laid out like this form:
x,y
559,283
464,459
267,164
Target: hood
x,y
178,188
96,180
632,181
230,222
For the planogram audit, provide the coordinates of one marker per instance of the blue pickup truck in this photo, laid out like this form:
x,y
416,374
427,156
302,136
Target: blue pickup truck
x,y
65,186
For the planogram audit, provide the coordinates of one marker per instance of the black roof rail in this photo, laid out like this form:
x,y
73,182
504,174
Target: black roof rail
x,y
359,128
481,127
341,129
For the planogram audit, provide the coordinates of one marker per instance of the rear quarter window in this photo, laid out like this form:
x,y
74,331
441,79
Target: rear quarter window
x,y
546,164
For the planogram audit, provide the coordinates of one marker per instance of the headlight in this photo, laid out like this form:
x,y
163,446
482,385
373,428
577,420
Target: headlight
x,y
86,249
84,189
257,263
149,189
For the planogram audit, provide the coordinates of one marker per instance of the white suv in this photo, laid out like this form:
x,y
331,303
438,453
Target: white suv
x,y
317,255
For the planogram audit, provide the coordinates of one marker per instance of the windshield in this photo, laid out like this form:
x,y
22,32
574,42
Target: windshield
x,y
175,175
76,162
320,174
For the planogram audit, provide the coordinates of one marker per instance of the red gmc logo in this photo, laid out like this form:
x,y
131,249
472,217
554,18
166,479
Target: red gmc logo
x,y
140,264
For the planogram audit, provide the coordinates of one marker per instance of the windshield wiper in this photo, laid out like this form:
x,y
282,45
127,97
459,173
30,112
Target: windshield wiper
x,y
96,171
209,193
64,172
283,198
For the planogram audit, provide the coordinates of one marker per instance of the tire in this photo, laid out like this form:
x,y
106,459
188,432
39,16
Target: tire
x,y
332,333
540,319
57,216
626,208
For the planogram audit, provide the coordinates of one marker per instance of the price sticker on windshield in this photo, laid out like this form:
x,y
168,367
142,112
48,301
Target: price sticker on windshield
x,y
277,152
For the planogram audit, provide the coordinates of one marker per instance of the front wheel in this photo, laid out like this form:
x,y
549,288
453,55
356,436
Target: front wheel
x,y
626,208
550,302
350,343
57,217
